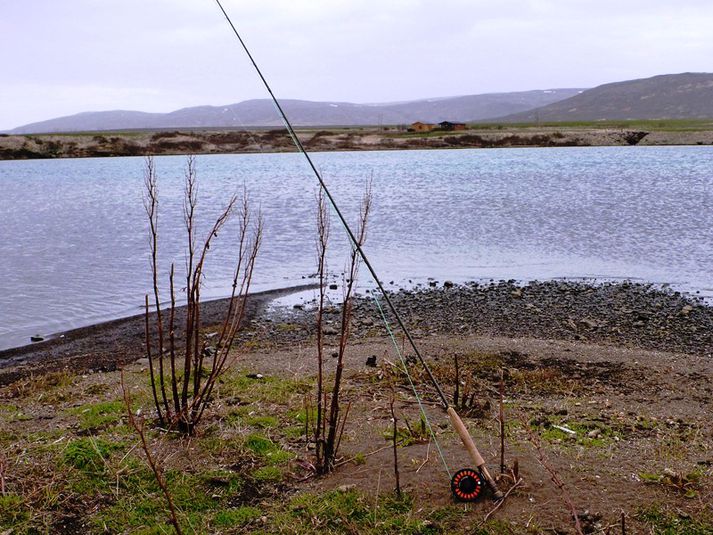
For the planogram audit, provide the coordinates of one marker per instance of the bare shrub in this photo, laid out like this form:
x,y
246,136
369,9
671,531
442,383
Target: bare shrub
x,y
330,421
185,368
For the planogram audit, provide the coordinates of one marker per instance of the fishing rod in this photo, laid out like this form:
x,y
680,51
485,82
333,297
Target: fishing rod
x,y
466,481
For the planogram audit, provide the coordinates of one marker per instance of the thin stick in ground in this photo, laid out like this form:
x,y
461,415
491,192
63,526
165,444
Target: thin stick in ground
x,y
554,477
138,425
322,243
333,417
502,421
395,447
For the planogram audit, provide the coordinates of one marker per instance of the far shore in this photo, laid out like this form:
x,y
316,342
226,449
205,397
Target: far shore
x,y
320,139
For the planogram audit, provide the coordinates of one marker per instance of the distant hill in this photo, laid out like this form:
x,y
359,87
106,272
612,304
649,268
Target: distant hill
x,y
306,113
669,96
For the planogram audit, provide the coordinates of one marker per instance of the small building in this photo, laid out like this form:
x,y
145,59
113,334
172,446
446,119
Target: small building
x,y
447,125
418,126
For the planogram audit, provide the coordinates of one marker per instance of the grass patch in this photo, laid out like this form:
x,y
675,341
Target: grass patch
x,y
543,381
100,415
141,507
660,522
267,450
411,433
49,387
687,484
13,512
264,422
265,390
268,474
353,512
232,518
88,455
587,434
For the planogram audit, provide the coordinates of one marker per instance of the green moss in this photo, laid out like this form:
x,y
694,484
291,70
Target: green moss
x,y
141,506
353,512
222,482
294,431
231,518
13,512
266,389
260,444
267,450
265,422
88,454
661,522
268,474
99,415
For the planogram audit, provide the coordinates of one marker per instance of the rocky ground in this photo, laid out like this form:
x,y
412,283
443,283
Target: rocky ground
x,y
607,401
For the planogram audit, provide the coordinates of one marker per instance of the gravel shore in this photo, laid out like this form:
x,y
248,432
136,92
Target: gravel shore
x,y
622,314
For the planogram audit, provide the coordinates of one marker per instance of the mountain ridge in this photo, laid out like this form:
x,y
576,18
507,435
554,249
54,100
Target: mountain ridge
x,y
261,113
687,95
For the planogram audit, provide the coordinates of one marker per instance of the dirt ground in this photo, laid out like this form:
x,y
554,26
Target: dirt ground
x,y
637,415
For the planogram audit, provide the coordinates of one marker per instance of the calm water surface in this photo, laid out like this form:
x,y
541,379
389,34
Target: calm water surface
x,y
74,248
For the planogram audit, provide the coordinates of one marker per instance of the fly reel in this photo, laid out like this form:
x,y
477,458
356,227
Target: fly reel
x,y
467,485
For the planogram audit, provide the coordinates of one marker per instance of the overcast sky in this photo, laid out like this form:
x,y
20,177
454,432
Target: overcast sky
x,y
68,56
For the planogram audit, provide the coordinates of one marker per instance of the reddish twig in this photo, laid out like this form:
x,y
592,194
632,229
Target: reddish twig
x,y
138,425
554,477
190,391
502,422
502,500
393,440
331,443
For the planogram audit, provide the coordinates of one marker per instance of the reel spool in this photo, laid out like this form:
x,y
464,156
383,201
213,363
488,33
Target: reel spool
x,y
466,485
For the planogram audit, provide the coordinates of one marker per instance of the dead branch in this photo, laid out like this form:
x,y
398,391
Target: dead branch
x,y
138,424
3,469
323,225
502,501
554,476
502,421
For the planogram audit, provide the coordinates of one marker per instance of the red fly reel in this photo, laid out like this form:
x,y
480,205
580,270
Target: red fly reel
x,y
466,485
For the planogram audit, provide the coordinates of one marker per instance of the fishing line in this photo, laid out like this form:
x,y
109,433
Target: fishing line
x,y
350,233
410,380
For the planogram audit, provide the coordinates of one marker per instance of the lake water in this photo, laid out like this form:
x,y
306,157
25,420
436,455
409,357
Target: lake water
x,y
74,246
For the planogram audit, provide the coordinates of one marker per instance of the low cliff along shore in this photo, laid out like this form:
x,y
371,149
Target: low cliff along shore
x,y
606,393
141,142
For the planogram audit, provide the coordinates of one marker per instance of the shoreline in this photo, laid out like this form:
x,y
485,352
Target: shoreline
x,y
106,345
619,314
